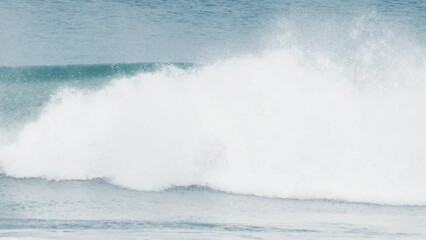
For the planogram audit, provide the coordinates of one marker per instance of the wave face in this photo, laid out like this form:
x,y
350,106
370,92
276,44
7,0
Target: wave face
x,y
292,122
25,90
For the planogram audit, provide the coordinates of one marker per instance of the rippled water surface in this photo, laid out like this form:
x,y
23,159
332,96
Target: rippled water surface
x,y
212,119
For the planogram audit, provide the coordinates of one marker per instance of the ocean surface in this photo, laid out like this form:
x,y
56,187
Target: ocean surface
x,y
213,119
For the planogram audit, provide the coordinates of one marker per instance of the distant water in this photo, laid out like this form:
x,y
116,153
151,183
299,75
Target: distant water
x,y
35,32
212,120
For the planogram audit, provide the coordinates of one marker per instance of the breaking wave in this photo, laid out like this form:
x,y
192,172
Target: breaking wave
x,y
291,122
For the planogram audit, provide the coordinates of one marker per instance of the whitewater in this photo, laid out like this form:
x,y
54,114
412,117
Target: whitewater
x,y
212,120
285,124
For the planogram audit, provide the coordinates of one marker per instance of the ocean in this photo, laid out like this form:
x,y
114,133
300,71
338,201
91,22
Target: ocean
x,y
212,119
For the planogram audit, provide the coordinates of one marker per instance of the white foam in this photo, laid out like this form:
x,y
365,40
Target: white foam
x,y
288,123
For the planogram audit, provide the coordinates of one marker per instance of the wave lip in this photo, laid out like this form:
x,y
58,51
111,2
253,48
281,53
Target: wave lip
x,y
86,72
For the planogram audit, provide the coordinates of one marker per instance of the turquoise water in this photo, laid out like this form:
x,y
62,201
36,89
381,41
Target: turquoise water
x,y
25,90
212,120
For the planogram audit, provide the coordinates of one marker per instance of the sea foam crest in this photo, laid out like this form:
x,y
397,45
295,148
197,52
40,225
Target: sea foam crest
x,y
287,123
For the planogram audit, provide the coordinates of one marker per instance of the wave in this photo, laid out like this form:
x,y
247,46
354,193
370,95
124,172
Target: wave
x,y
291,123
25,90
65,73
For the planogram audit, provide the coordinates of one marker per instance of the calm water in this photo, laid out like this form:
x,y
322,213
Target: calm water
x,y
87,32
94,209
212,119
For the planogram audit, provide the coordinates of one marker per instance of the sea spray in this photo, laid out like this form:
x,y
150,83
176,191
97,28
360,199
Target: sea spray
x,y
285,123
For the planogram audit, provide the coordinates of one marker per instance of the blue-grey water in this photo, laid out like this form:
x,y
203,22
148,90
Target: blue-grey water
x,y
88,32
212,119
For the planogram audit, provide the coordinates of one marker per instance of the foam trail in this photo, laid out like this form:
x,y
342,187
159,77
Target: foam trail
x,y
287,123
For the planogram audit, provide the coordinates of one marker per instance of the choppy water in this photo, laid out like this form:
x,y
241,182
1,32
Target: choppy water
x,y
212,120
